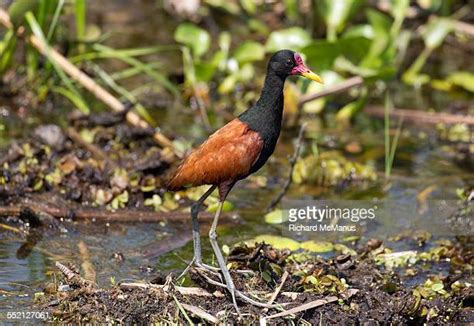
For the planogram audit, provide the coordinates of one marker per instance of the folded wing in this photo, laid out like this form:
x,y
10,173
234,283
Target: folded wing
x,y
227,155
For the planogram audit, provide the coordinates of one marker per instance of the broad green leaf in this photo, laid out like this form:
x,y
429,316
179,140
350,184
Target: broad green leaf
x,y
195,37
249,6
317,246
293,38
276,217
249,51
436,31
227,207
276,242
364,30
321,54
462,79
382,49
335,14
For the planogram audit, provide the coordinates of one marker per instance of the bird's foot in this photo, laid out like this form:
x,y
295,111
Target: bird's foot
x,y
200,266
239,294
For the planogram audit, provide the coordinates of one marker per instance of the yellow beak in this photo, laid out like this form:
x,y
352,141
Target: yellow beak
x,y
311,75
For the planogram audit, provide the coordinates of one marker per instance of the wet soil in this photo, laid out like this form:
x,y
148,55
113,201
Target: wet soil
x,y
363,292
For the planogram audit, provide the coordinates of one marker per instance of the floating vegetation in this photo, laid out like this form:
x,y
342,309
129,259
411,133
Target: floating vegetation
x,y
330,168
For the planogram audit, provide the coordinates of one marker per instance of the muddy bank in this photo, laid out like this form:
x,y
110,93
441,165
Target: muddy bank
x,y
357,287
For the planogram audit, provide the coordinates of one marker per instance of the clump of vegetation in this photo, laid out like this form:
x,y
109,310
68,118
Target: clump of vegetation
x,y
340,288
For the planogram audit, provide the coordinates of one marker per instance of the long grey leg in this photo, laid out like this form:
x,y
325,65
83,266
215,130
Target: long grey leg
x,y
220,257
197,259
195,224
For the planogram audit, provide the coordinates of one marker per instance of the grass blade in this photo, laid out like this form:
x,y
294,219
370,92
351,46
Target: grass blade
x,y
36,29
107,79
181,309
7,49
390,147
71,96
80,13
387,107
158,77
54,22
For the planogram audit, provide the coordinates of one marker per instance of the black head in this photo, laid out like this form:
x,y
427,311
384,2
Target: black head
x,y
282,62
285,63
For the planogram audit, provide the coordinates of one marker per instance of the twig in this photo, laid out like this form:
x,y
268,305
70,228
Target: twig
x,y
416,116
339,87
306,306
277,290
72,276
124,215
181,309
204,315
10,228
293,160
464,28
192,291
94,150
88,83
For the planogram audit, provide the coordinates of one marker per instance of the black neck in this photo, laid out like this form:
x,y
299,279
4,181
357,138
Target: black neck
x,y
272,92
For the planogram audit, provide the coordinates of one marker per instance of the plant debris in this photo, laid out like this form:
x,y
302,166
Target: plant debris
x,y
346,289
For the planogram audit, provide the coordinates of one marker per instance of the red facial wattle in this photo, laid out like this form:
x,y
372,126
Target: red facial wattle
x,y
301,69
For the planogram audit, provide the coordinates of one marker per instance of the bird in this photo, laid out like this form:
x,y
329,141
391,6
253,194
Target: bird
x,y
237,150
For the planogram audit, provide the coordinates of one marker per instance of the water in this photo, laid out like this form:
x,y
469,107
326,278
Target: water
x,y
152,248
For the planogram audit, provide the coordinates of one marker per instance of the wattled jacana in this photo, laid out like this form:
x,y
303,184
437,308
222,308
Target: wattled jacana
x,y
237,150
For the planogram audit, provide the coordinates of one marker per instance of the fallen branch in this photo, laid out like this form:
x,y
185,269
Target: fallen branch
x,y
293,160
123,215
416,116
334,89
201,313
88,83
306,306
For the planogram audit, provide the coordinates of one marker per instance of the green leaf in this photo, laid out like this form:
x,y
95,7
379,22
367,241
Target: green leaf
x,y
227,207
19,8
381,25
317,246
462,79
321,54
80,13
293,38
436,31
249,51
276,242
73,97
194,37
276,217
335,14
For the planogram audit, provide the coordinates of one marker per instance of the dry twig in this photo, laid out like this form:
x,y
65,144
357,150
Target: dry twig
x,y
293,160
334,89
416,116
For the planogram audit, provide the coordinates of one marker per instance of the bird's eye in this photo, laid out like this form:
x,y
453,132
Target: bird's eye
x,y
289,62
